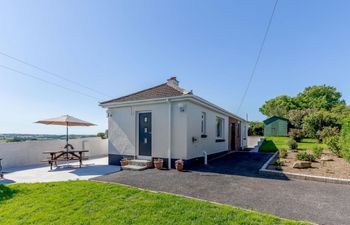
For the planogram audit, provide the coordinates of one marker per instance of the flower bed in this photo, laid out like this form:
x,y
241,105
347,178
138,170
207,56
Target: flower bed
x,y
336,168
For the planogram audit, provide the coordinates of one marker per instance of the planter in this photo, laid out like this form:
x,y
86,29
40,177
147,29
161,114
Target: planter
x,y
158,163
179,165
124,162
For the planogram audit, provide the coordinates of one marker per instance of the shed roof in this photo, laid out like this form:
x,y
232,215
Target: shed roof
x,y
274,118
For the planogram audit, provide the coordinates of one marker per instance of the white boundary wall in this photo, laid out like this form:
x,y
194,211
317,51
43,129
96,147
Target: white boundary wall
x,y
28,153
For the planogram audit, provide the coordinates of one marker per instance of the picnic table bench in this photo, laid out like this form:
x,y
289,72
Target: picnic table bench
x,y
63,155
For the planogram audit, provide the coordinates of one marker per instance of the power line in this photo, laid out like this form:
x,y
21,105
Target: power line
x,y
54,74
46,81
258,57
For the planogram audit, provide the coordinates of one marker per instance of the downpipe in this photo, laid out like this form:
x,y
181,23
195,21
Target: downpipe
x,y
205,154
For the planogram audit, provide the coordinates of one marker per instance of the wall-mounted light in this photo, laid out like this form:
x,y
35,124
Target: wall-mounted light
x,y
108,114
181,107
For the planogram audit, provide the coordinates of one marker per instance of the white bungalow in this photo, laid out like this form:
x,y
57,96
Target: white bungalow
x,y
169,122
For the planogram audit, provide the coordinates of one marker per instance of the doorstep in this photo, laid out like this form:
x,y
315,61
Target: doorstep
x,y
138,164
134,167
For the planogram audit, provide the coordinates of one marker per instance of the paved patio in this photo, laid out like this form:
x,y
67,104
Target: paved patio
x,y
235,180
31,174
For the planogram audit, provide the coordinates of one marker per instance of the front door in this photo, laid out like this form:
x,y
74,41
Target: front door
x,y
145,134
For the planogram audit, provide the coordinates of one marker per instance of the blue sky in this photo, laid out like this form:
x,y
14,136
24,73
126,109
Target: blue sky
x,y
119,47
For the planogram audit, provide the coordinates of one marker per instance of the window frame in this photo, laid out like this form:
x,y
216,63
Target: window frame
x,y
203,123
221,121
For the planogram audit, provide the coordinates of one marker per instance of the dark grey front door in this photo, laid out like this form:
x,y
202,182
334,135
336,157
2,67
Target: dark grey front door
x,y
145,134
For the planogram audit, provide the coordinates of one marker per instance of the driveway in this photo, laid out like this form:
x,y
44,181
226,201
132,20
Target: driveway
x,y
234,180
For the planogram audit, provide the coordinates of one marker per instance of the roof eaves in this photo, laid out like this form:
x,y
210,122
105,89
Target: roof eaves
x,y
224,111
278,117
180,97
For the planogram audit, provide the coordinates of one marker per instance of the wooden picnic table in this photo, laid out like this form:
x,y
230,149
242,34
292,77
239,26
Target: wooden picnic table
x,y
64,155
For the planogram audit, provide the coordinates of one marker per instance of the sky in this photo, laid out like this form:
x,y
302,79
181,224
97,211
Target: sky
x,y
121,46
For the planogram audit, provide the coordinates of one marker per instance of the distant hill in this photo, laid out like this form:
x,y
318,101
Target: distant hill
x,y
37,137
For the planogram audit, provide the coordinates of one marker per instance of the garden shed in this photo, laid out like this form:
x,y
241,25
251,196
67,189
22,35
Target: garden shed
x,y
276,126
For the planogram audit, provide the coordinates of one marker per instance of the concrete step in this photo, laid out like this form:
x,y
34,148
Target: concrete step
x,y
134,167
140,162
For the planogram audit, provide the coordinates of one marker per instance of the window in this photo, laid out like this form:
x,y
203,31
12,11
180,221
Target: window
x,y
219,128
204,123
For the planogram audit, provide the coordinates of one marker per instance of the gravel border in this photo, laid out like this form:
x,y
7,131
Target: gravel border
x,y
274,173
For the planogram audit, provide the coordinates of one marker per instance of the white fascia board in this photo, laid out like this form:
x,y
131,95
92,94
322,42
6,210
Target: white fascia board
x,y
217,108
137,102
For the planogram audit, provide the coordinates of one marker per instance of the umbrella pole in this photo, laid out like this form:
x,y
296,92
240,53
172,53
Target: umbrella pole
x,y
67,134
67,147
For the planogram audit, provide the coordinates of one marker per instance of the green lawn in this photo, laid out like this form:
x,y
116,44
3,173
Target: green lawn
x,y
272,144
87,202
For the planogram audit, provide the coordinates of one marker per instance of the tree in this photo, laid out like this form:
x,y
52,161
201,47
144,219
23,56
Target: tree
x,y
342,110
296,116
311,110
101,135
256,129
316,121
319,97
279,106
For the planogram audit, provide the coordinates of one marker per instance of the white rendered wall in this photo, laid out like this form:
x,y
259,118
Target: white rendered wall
x,y
123,130
31,152
208,144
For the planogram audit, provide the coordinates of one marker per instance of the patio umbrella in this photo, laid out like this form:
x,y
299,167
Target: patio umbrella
x,y
66,120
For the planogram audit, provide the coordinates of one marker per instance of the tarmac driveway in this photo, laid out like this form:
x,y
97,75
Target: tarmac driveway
x,y
234,180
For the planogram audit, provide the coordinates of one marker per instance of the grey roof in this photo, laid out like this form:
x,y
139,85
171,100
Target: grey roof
x,y
274,118
160,91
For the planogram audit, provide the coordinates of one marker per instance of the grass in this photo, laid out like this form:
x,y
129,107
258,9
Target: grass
x,y
87,202
272,144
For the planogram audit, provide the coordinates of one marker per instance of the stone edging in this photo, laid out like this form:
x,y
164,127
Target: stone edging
x,y
275,173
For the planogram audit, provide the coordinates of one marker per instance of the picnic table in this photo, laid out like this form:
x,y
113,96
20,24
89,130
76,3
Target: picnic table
x,y
64,155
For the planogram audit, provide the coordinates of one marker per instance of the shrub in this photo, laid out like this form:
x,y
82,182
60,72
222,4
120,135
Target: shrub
x,y
282,152
304,156
296,134
256,129
316,121
333,144
279,162
317,151
345,140
327,132
292,144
